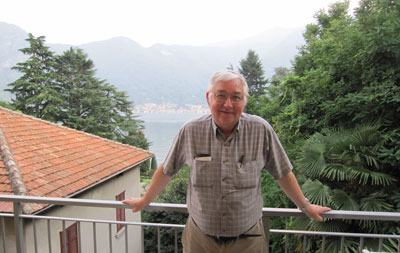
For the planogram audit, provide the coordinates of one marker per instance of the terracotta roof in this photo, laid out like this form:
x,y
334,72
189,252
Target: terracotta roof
x,y
40,158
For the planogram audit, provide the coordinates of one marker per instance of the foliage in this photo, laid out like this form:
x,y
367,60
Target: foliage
x,y
251,69
64,89
7,105
36,92
273,197
344,77
174,192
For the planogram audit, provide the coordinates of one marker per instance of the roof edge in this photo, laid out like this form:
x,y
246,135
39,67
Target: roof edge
x,y
71,129
135,165
14,173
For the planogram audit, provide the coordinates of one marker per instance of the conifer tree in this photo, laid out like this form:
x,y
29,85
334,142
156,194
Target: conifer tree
x,y
251,68
93,105
64,89
36,92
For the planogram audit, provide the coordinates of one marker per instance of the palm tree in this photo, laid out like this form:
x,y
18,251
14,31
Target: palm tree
x,y
343,171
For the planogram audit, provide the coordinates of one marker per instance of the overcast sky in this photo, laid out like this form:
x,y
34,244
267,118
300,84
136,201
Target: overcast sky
x,y
183,22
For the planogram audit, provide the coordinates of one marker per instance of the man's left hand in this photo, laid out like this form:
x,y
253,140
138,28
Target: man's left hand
x,y
315,211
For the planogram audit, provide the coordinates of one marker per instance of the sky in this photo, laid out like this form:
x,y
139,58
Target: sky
x,y
182,22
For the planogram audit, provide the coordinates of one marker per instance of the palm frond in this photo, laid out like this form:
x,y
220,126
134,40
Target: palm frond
x,y
395,197
317,192
376,178
375,202
342,201
392,244
329,226
336,172
333,244
312,159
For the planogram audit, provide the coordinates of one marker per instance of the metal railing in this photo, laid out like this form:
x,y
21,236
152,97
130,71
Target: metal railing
x,y
17,217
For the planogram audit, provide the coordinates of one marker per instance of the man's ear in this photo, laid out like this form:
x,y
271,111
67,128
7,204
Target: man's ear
x,y
246,98
208,97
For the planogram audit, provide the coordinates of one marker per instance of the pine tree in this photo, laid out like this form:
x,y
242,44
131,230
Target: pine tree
x,y
36,91
251,68
64,89
93,105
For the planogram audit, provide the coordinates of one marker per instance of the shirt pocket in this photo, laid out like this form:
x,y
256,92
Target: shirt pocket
x,y
202,174
247,175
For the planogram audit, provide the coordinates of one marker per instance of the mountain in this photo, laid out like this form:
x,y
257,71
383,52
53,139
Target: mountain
x,y
12,38
162,73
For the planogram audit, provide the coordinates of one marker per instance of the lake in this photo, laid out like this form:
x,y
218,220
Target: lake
x,y
161,129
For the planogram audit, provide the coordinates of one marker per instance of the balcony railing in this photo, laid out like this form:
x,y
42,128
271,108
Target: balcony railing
x,y
17,217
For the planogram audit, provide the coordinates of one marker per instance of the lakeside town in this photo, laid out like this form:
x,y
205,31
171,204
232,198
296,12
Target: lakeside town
x,y
170,108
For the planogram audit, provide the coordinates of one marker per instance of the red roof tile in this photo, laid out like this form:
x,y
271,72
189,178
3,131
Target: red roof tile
x,y
57,161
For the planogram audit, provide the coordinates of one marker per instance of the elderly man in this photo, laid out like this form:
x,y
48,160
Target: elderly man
x,y
226,152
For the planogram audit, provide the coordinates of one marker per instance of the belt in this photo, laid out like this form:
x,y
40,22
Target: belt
x,y
226,239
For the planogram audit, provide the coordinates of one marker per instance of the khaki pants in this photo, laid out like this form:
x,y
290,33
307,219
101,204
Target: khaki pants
x,y
195,241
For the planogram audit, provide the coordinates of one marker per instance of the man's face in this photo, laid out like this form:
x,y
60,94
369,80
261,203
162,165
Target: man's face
x,y
226,114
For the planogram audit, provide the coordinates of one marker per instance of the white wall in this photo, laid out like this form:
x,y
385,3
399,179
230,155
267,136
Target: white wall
x,y
128,182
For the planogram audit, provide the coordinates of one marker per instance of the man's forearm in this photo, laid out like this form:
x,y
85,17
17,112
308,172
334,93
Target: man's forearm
x,y
157,184
290,186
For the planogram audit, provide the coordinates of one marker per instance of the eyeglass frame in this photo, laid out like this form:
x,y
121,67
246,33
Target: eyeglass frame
x,y
223,97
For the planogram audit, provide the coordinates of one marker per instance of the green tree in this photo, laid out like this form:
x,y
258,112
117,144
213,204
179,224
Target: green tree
x,y
64,89
252,70
345,76
36,92
344,171
93,105
174,192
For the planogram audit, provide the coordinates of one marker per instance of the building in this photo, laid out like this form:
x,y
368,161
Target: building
x,y
40,158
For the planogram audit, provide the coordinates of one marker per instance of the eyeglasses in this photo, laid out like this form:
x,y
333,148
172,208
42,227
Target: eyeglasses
x,y
222,97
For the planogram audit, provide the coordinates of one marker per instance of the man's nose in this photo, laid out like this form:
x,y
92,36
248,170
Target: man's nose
x,y
228,102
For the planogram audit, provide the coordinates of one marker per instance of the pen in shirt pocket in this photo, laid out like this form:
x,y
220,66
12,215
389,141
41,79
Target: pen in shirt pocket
x,y
241,160
203,157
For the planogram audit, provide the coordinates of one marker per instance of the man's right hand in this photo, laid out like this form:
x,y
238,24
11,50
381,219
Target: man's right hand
x,y
136,203
157,184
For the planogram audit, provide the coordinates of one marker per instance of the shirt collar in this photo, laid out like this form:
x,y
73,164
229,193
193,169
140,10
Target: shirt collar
x,y
215,127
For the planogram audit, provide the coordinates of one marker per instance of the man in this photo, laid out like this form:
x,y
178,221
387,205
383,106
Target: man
x,y
226,152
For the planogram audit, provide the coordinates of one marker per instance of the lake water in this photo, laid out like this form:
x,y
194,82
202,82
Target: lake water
x,y
161,129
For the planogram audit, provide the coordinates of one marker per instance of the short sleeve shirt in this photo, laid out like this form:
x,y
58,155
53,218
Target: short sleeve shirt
x,y
224,188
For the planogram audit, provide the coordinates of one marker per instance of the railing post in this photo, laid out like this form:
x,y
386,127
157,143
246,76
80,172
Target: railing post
x,y
266,222
158,240
64,235
176,240
304,243
3,234
323,244
142,232
361,244
18,227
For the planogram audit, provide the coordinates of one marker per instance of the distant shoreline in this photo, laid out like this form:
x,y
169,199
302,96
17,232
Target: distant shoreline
x,y
150,108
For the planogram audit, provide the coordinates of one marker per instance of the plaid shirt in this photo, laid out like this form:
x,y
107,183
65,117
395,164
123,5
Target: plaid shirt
x,y
224,190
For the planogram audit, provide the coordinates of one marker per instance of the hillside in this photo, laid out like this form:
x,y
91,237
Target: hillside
x,y
161,73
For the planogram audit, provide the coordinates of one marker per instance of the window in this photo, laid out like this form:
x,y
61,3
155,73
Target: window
x,y
120,211
72,239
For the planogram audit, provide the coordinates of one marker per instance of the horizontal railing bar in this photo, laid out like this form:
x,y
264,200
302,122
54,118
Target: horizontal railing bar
x,y
7,214
102,221
336,214
63,201
182,208
354,215
359,235
144,224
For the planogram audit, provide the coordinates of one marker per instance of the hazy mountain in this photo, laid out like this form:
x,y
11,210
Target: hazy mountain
x,y
161,73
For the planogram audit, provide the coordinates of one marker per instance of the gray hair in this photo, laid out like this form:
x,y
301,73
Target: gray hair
x,y
227,75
